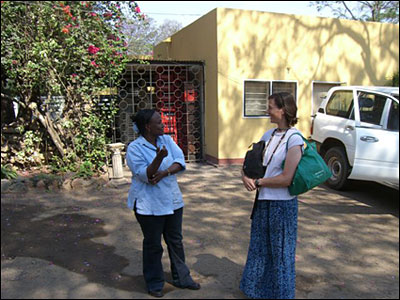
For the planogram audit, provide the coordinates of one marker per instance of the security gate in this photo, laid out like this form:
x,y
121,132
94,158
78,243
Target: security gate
x,y
176,91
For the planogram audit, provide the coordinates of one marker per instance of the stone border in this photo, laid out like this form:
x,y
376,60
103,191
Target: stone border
x,y
48,182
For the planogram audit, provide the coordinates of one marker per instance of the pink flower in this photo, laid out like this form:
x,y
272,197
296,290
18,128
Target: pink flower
x,y
93,50
93,63
137,9
74,75
66,10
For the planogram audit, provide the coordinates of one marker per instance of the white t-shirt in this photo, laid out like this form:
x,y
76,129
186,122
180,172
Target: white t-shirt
x,y
274,168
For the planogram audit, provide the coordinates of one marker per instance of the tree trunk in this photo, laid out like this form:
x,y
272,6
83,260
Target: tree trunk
x,y
44,120
48,124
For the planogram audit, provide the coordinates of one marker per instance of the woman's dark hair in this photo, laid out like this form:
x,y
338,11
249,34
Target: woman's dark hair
x,y
142,118
286,101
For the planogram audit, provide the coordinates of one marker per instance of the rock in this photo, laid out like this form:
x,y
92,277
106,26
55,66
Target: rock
x,y
77,183
102,180
117,183
55,185
5,184
41,184
19,186
80,183
66,185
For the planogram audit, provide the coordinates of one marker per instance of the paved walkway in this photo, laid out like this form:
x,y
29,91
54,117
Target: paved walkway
x,y
86,244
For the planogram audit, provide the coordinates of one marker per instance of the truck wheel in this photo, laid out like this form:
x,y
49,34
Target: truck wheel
x,y
336,160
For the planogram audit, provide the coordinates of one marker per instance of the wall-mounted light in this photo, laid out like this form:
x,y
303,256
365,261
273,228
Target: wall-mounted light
x,y
151,89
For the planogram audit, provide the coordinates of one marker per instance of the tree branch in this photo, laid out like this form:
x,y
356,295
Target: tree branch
x,y
348,10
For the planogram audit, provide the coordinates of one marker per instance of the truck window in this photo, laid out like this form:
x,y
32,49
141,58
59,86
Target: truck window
x,y
371,107
340,104
393,121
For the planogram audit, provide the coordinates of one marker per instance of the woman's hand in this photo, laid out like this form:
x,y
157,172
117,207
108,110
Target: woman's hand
x,y
248,183
156,178
155,165
161,153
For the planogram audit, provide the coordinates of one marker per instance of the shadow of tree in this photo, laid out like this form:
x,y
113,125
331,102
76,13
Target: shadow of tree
x,y
223,269
65,240
347,241
226,272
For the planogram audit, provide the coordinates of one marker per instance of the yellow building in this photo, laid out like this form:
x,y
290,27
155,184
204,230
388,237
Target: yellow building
x,y
248,55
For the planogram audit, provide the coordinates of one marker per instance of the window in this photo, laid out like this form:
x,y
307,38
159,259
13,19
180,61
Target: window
x,y
341,104
393,121
371,107
256,93
288,87
319,93
255,98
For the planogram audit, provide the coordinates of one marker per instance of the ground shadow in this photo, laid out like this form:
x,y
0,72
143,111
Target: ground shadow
x,y
226,272
65,240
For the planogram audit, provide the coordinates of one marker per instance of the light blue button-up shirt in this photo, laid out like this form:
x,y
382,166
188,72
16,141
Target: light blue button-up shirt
x,y
164,197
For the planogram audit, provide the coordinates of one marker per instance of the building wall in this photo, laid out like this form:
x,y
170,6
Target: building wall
x,y
272,46
240,44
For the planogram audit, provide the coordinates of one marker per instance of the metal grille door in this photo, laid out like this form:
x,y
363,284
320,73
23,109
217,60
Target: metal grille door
x,y
176,91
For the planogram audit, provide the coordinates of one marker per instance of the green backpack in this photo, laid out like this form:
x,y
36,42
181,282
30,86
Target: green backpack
x,y
311,170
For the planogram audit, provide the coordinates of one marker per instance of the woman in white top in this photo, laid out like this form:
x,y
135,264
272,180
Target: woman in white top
x,y
270,268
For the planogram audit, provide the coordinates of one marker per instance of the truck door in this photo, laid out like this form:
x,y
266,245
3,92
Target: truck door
x,y
377,144
339,122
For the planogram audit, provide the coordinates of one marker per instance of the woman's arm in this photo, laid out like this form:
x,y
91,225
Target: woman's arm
x,y
173,169
153,167
293,157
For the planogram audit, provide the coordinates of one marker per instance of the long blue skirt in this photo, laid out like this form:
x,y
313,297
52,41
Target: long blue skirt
x,y
270,268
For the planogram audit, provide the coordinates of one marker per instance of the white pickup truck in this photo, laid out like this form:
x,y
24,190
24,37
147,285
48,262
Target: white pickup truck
x,y
357,133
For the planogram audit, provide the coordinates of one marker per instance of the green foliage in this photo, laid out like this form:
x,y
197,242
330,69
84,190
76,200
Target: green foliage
x,y
85,170
395,79
90,147
72,49
68,163
7,172
373,11
30,153
91,141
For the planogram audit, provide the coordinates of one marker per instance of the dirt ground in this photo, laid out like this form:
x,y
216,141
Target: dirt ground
x,y
86,244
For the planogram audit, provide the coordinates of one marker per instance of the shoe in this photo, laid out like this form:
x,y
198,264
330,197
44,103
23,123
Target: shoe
x,y
192,286
157,294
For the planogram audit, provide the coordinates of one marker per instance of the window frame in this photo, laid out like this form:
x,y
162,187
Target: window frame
x,y
271,83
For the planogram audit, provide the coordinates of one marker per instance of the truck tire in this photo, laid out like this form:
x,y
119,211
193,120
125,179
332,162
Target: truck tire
x,y
336,160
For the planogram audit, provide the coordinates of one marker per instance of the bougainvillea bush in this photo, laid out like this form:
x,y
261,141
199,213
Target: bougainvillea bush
x,y
68,50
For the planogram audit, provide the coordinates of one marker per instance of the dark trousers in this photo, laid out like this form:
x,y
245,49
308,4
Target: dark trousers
x,y
170,227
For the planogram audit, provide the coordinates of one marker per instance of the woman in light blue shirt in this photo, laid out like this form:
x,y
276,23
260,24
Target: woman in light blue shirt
x,y
154,159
